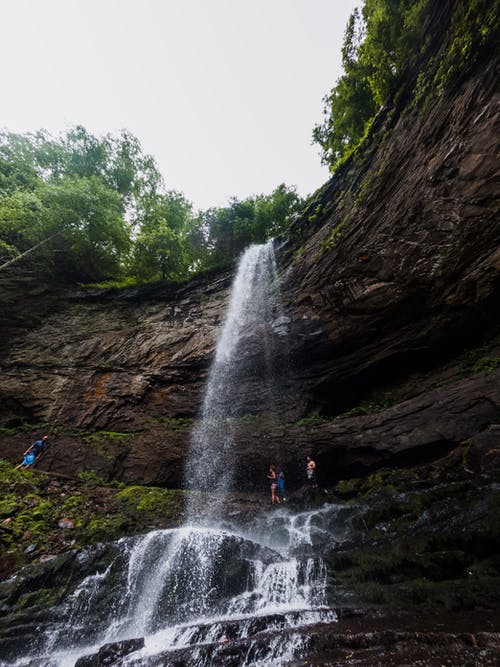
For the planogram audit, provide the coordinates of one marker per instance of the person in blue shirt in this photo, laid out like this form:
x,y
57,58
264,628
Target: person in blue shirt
x,y
33,453
281,483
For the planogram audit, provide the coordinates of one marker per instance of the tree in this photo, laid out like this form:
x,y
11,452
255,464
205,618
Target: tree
x,y
230,229
93,238
75,197
160,247
379,45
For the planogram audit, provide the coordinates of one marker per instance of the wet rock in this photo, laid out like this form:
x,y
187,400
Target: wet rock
x,y
44,558
66,523
110,654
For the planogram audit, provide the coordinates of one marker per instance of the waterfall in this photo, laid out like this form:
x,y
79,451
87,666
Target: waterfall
x,y
242,377
195,589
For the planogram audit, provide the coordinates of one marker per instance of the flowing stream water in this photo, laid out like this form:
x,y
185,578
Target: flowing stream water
x,y
211,582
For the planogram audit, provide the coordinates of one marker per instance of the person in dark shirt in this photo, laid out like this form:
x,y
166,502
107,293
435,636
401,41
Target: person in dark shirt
x,y
33,453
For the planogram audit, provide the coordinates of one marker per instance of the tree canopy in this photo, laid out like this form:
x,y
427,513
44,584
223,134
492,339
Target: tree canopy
x,y
95,209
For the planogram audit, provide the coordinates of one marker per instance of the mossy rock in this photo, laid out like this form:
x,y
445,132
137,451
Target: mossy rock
x,y
43,597
105,530
146,501
9,505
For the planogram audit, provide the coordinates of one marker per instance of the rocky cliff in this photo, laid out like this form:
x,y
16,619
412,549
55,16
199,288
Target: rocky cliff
x,y
391,273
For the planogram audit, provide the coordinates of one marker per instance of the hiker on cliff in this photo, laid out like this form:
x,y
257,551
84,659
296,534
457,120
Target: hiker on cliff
x,y
280,475
274,483
311,472
33,453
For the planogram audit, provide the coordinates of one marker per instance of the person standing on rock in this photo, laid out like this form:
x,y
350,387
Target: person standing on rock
x,y
311,472
33,453
281,483
274,484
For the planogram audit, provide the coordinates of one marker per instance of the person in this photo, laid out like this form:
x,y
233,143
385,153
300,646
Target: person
x,y
274,483
311,472
281,484
33,453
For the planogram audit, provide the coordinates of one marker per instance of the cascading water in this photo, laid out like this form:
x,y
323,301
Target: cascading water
x,y
200,587
242,377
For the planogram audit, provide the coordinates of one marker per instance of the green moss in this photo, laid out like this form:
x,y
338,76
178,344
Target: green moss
x,y
91,478
98,512
316,214
486,365
73,503
105,530
99,436
472,31
175,423
334,237
24,427
370,407
310,421
473,25
6,430
250,419
9,505
150,500
45,597
106,443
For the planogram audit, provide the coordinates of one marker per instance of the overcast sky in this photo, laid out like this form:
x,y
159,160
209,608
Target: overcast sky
x,y
223,93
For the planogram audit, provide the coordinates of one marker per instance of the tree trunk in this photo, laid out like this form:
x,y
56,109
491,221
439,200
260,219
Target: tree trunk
x,y
26,252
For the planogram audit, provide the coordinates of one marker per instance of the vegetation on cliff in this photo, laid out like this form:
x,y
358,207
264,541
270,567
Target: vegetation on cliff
x,y
386,49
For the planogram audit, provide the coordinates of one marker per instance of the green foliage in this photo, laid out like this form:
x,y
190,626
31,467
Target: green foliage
x,y
334,237
69,195
92,237
473,25
95,211
227,231
160,250
385,47
381,45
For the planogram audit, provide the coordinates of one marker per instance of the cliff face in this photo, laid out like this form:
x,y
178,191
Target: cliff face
x,y
392,271
401,267
115,364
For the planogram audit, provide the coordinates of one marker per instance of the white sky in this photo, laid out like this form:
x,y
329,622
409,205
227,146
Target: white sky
x,y
223,93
